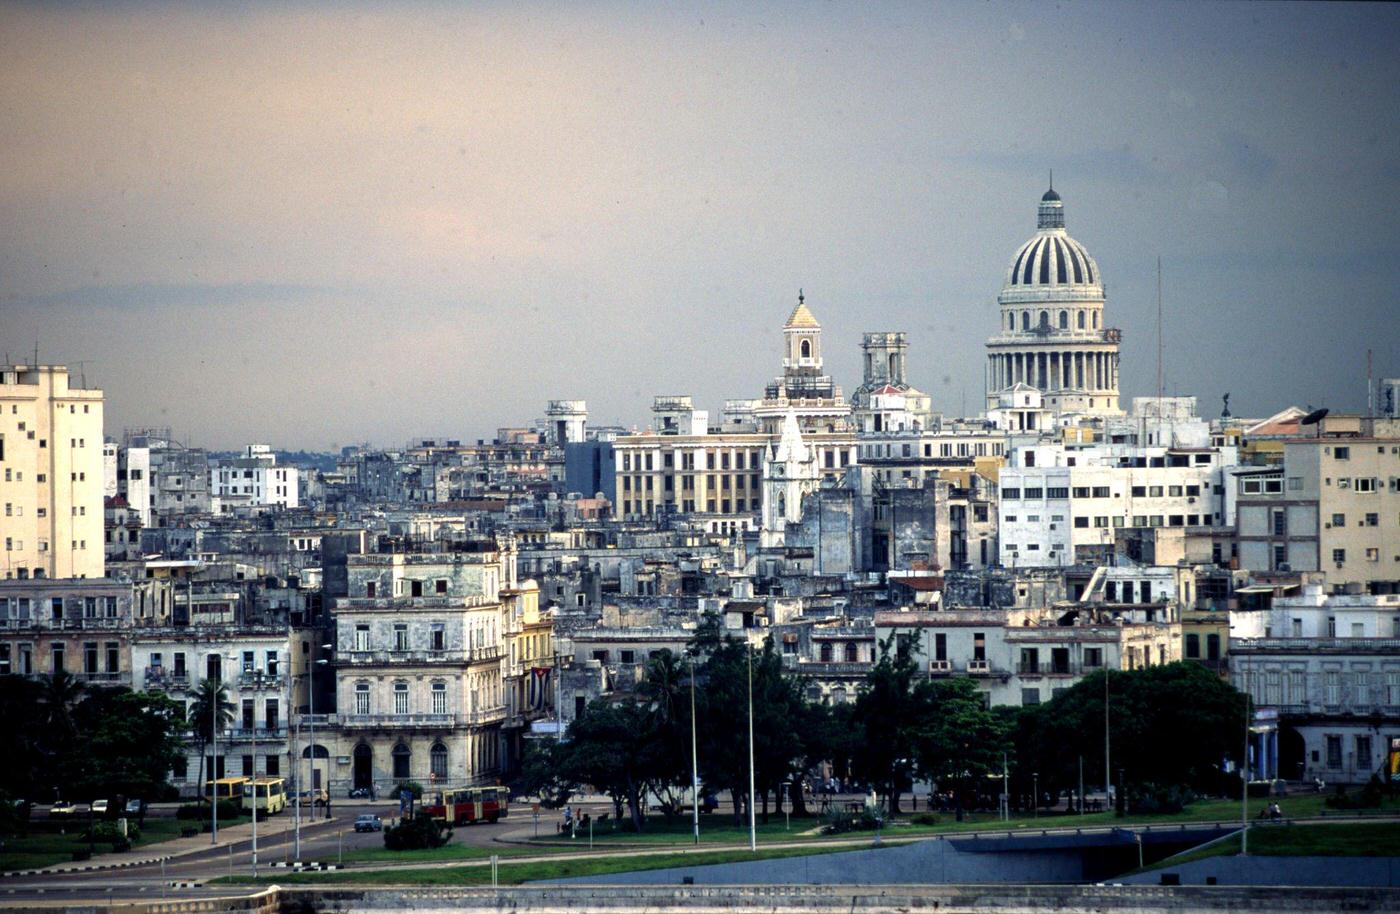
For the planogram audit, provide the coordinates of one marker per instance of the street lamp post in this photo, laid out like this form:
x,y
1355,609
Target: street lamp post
x,y
1035,803
214,763
311,740
694,757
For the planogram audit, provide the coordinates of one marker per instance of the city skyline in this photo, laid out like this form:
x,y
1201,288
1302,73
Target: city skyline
x,y
278,224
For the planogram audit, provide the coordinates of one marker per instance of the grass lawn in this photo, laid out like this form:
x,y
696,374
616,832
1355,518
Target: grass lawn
x,y
43,847
1350,839
517,873
716,828
449,851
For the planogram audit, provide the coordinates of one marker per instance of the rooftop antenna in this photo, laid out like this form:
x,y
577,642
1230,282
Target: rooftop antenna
x,y
1159,349
1052,179
1370,389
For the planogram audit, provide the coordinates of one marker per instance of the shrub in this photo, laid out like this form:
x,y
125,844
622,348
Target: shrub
x,y
413,787
925,818
838,822
227,810
109,833
1368,797
1155,799
418,833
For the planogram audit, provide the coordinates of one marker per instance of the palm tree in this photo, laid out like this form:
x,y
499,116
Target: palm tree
x,y
62,691
210,699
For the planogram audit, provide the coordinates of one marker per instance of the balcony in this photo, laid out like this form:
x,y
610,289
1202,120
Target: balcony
x,y
484,716
100,678
940,666
381,658
396,721
979,667
163,681
261,682
247,734
1029,669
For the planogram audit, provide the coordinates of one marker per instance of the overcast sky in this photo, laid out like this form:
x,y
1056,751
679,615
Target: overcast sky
x,y
315,225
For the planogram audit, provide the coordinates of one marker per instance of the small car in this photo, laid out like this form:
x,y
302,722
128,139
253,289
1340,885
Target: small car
x,y
360,793
317,797
99,807
62,808
135,807
368,823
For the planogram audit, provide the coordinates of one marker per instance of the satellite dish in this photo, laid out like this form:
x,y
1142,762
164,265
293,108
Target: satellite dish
x,y
1314,417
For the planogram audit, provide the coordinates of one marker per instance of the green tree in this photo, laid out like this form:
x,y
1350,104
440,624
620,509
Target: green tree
x,y
607,748
957,740
211,709
131,740
889,712
666,690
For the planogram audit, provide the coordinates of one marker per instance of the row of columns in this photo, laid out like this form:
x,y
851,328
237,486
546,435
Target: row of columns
x,y
1056,370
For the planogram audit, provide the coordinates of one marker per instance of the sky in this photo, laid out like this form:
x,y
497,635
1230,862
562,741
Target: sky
x,y
315,225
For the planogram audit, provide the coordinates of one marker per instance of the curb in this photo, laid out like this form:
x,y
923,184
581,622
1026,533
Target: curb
x,y
315,867
84,869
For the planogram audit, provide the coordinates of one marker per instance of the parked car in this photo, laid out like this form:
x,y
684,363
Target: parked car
x,y
99,808
135,808
360,793
63,808
368,823
317,797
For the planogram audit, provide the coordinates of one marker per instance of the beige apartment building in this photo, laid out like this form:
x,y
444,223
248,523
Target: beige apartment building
x,y
51,475
1333,507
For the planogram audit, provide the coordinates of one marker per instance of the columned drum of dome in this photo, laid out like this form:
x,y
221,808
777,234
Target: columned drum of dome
x,y
1051,333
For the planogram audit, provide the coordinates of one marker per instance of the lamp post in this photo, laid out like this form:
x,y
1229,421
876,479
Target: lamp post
x,y
233,658
214,761
694,757
311,744
1035,803
753,823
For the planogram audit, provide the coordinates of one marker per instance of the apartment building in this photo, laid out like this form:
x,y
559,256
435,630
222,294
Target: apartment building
x,y
51,475
1064,505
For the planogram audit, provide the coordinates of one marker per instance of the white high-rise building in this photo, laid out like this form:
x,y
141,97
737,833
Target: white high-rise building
x,y
1052,335
51,475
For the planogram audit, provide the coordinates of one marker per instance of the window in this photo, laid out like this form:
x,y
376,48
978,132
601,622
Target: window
x,y
1035,493
438,760
439,698
361,698
400,636
1213,647
1339,520
362,636
1010,494
1081,522
1334,748
400,698
1030,696
56,656
1057,492
1339,555
1139,491
439,637
1342,453
402,757
1193,645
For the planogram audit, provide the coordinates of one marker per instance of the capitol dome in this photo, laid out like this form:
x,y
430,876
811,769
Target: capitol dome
x,y
1052,261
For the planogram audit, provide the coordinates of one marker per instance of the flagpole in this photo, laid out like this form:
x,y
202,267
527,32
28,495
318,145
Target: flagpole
x,y
753,823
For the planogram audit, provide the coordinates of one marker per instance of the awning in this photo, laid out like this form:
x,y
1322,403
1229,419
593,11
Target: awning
x,y
1265,588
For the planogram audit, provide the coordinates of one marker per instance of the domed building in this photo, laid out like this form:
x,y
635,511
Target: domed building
x,y
1052,335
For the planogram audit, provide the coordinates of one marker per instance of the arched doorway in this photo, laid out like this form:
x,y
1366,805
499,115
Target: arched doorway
x,y
1292,753
318,760
363,767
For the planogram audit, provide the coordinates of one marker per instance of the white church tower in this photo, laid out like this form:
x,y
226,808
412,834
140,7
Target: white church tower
x,y
788,475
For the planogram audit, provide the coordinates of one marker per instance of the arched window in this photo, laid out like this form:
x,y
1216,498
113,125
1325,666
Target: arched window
x,y
1044,319
1025,320
400,698
438,759
1096,320
826,652
1064,320
1011,321
806,349
850,652
814,694
838,695
402,758
440,696
1081,320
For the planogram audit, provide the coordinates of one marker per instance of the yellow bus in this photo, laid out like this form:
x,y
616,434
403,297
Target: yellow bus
x,y
230,789
269,795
